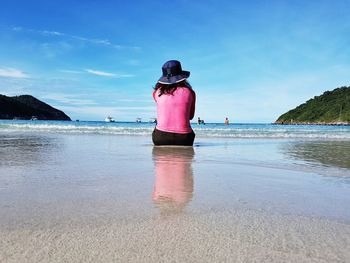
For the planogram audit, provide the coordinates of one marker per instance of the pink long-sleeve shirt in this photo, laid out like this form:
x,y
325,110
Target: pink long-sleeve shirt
x,y
174,111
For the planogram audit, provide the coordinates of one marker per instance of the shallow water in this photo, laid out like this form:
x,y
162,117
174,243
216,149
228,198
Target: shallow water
x,y
81,188
297,177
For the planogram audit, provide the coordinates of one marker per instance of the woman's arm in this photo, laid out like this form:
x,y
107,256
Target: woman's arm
x,y
193,105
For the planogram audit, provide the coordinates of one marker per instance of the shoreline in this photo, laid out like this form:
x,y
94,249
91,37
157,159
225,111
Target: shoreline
x,y
313,123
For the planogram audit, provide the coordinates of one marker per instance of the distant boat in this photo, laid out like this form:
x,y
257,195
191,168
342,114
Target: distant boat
x,y
34,118
138,120
109,119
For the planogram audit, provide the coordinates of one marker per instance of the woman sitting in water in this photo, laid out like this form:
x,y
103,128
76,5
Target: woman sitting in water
x,y
175,101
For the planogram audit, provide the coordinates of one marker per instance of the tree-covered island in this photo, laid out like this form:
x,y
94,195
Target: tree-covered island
x,y
330,108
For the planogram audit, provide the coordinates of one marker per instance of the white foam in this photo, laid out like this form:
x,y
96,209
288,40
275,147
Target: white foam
x,y
210,130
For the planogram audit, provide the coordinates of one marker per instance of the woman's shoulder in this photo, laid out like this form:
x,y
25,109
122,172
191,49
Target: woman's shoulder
x,y
185,89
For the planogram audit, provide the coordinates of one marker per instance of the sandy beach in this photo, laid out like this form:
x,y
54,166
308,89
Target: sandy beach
x,y
101,198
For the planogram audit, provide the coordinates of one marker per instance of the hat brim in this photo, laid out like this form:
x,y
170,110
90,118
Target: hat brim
x,y
174,79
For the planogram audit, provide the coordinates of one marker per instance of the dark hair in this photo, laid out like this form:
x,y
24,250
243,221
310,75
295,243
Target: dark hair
x,y
170,88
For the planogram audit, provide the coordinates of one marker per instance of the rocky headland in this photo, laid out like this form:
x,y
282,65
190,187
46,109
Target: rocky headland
x,y
26,107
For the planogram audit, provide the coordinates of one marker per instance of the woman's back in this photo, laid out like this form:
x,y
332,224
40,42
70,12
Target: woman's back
x,y
175,110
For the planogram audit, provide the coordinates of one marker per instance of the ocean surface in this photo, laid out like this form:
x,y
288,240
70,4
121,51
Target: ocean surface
x,y
204,131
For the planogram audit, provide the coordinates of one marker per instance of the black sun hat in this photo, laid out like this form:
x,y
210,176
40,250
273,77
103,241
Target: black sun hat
x,y
173,73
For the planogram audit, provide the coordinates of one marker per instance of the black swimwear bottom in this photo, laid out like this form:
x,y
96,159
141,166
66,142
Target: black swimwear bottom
x,y
170,138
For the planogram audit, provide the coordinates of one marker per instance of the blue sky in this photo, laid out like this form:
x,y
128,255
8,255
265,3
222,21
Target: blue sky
x,y
249,60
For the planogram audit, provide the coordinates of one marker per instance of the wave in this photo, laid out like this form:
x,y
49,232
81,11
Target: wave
x,y
209,130
93,129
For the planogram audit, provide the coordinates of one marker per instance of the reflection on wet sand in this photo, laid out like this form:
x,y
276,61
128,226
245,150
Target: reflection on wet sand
x,y
328,153
173,187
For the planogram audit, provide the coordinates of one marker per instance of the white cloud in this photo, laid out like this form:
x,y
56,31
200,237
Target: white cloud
x,y
100,73
97,73
101,112
12,73
70,71
95,41
53,33
68,99
107,74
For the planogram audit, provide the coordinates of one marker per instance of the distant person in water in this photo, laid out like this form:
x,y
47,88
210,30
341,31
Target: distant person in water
x,y
175,101
227,122
200,121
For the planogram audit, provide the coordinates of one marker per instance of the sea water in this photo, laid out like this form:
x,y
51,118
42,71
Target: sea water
x,y
209,130
277,159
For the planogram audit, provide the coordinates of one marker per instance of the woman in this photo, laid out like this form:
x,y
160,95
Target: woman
x,y
175,101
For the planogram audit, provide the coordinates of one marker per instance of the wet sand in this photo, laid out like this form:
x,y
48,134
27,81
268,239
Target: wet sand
x,y
93,198
241,236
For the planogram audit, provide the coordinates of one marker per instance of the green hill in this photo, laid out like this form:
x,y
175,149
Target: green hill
x,y
332,107
26,106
